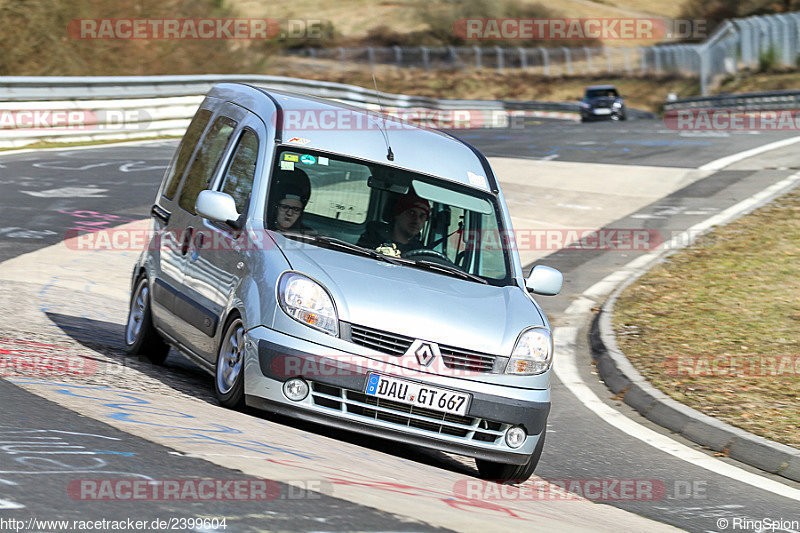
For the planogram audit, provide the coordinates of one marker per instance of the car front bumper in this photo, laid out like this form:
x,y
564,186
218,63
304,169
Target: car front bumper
x,y
337,399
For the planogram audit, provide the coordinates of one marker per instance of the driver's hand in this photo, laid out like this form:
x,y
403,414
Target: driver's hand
x,y
389,249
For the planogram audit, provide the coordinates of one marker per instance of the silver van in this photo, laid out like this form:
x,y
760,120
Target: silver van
x,y
348,269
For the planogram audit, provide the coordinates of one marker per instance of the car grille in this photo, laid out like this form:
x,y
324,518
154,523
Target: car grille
x,y
384,342
394,344
466,360
400,414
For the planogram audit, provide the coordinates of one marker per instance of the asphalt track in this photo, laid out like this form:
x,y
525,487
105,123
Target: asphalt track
x,y
49,193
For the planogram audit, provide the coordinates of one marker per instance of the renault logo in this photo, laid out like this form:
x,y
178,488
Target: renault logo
x,y
424,351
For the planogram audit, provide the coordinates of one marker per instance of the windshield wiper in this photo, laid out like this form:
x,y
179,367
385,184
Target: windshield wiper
x,y
344,245
450,270
360,250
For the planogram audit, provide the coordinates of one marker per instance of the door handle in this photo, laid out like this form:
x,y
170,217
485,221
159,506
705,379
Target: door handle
x,y
160,213
187,239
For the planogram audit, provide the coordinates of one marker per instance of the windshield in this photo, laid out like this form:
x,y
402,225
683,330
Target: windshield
x,y
395,212
600,93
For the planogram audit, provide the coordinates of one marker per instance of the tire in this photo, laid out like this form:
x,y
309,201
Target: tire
x,y
503,472
229,368
141,337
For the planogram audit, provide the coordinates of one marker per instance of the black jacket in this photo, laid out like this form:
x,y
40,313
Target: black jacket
x,y
379,233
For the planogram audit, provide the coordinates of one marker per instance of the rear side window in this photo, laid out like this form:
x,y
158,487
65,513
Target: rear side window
x,y
239,177
190,138
206,161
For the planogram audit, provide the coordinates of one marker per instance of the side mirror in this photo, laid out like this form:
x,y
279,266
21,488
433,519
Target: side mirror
x,y
544,280
217,206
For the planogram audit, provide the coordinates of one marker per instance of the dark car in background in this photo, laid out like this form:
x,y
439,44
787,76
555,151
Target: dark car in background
x,y
602,102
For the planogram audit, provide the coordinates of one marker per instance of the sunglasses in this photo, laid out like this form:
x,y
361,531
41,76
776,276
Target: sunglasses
x,y
290,209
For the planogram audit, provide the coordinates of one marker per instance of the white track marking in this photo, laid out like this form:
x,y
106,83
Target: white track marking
x,y
567,371
719,164
565,338
8,504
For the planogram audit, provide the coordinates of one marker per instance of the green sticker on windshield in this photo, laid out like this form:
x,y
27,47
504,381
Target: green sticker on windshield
x,y
307,159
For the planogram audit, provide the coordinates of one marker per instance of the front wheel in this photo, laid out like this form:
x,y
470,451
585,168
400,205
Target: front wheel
x,y
229,381
141,337
491,470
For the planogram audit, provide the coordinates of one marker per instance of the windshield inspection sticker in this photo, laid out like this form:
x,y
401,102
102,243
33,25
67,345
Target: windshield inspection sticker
x,y
287,165
299,140
476,179
307,159
322,160
291,157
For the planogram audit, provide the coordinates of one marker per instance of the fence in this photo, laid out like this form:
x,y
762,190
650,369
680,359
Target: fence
x,y
547,61
735,44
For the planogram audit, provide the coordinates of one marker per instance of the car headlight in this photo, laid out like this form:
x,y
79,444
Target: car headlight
x,y
308,302
617,104
585,105
533,353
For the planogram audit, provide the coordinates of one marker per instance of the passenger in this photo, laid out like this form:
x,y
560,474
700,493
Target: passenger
x,y
292,190
403,234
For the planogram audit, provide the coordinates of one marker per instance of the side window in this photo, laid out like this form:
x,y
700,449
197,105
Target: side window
x,y
188,143
206,161
238,181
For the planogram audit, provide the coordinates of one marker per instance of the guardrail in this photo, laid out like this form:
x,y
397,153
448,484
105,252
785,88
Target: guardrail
x,y
79,109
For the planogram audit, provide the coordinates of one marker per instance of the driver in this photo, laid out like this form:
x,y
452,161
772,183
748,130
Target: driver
x,y
403,234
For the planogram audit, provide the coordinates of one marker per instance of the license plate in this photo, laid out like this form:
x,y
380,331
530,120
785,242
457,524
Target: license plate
x,y
410,392
602,111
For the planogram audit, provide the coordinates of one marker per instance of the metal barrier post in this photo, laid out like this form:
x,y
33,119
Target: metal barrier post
x,y
567,59
545,60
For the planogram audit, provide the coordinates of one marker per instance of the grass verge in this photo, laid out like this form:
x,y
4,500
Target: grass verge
x,y
717,326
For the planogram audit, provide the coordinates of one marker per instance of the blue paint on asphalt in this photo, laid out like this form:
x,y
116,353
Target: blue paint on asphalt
x,y
662,142
556,149
110,452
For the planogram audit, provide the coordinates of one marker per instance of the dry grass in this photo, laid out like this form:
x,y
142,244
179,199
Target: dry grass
x,y
355,18
775,81
717,326
40,45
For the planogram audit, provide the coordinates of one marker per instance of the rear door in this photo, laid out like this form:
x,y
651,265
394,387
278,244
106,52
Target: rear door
x,y
182,317
167,230
216,259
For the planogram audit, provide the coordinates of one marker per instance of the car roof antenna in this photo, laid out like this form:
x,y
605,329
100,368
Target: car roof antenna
x,y
389,153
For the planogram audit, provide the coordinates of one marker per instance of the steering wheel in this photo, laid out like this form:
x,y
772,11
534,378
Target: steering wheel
x,y
429,255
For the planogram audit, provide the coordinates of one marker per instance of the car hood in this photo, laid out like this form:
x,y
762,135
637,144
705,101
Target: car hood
x,y
418,303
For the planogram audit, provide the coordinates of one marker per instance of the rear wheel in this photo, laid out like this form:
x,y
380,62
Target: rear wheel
x,y
505,472
229,381
141,337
